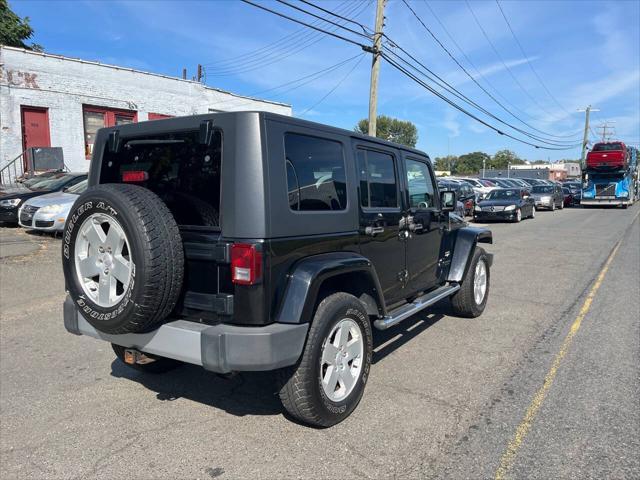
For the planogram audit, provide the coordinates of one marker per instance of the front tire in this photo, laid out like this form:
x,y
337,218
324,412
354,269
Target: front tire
x,y
328,382
471,300
518,218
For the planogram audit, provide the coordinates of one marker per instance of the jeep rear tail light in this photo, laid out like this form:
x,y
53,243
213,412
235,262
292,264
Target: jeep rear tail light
x,y
246,264
133,176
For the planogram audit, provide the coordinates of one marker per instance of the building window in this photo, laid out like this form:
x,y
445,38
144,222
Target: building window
x,y
99,117
158,116
316,176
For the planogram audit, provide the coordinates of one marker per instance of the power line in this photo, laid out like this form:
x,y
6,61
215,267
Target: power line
x,y
296,46
309,78
495,50
437,40
461,109
446,86
364,27
479,73
408,74
337,85
513,33
300,9
282,15
298,36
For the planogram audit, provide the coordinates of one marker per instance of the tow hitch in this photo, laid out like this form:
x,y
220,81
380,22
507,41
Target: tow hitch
x,y
132,357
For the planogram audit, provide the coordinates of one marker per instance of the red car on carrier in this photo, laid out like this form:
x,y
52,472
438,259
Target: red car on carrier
x,y
608,156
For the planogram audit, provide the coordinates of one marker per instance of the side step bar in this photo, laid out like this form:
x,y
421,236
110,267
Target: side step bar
x,y
405,311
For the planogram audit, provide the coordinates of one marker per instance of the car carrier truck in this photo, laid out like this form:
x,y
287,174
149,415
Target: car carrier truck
x,y
611,175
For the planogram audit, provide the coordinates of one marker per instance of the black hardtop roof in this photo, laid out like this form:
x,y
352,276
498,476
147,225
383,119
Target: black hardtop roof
x,y
175,122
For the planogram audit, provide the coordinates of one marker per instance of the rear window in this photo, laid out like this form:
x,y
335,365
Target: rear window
x,y
607,147
183,172
316,177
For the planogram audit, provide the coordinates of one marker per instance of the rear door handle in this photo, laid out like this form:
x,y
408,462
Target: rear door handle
x,y
373,231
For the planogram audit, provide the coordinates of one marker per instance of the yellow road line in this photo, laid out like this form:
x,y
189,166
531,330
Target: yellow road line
x,y
523,429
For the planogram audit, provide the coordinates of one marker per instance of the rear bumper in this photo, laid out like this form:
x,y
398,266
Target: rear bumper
x,y
219,348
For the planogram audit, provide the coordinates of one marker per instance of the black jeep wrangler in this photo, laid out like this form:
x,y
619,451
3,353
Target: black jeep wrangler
x,y
253,241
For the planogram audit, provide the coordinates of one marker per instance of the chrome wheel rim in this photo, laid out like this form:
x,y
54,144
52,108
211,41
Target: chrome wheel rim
x,y
518,215
341,360
533,212
102,259
480,282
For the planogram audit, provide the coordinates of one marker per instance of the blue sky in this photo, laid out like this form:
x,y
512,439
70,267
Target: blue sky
x,y
584,52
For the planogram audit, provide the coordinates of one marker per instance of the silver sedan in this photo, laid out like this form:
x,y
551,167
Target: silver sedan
x,y
49,212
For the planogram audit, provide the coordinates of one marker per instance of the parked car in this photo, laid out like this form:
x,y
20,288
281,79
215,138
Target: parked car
x,y
49,212
481,188
169,262
11,199
568,197
576,191
501,182
464,193
548,196
511,204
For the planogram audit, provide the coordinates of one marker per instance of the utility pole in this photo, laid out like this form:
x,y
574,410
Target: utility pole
x,y
604,127
484,164
585,138
199,73
375,68
184,73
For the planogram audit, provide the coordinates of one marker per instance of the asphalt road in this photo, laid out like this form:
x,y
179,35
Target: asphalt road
x,y
446,396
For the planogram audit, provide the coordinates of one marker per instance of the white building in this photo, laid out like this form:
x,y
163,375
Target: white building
x,y
54,101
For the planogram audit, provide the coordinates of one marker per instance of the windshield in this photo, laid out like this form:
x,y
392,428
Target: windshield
x,y
37,179
449,186
52,183
78,188
503,194
607,147
542,189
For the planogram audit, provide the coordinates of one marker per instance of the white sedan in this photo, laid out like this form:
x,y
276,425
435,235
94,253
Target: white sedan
x,y
49,212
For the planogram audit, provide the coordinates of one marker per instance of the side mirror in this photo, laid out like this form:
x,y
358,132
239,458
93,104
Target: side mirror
x,y
448,201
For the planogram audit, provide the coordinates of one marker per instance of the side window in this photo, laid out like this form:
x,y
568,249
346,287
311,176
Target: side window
x,y
421,191
377,175
316,178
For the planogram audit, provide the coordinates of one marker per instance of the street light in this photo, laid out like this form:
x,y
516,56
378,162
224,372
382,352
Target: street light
x,y
484,161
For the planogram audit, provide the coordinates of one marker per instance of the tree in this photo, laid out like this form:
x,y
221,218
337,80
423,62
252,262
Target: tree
x,y
15,30
445,164
471,162
392,129
503,158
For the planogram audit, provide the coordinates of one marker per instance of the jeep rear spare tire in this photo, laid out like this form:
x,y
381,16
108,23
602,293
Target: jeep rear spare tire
x,y
122,258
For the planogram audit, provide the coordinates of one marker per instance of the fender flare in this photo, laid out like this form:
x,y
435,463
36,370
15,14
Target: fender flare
x,y
307,276
466,239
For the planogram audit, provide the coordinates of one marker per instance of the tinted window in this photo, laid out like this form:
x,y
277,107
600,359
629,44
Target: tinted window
x,y
315,173
421,192
183,172
503,194
607,147
378,186
542,189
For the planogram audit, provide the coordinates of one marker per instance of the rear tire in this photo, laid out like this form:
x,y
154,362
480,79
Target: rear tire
x,y
318,390
467,302
562,205
160,365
